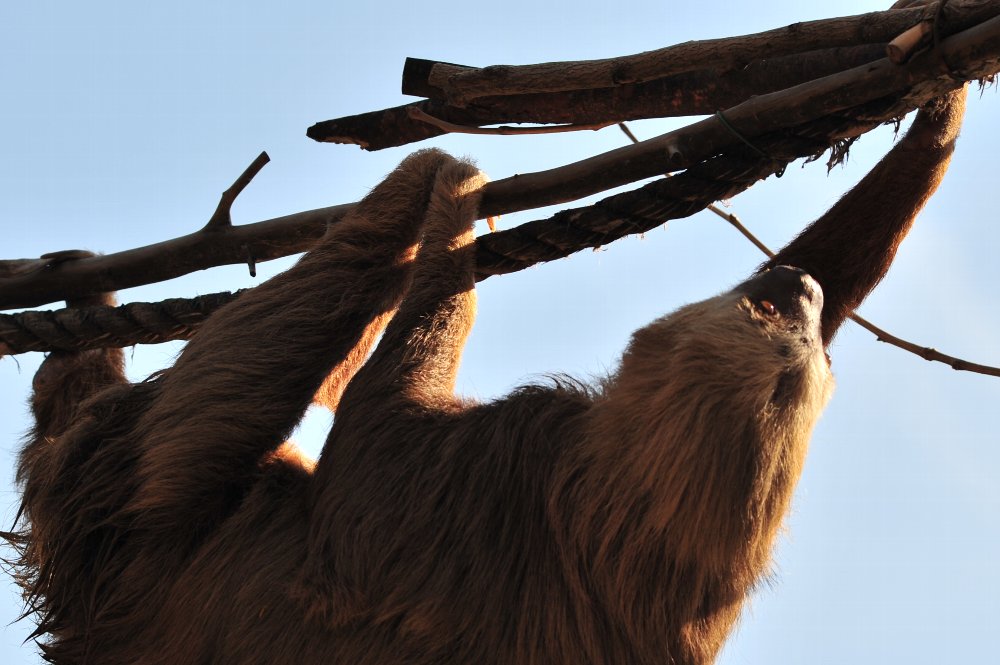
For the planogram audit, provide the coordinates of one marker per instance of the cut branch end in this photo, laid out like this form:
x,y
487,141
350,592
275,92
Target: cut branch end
x,y
902,48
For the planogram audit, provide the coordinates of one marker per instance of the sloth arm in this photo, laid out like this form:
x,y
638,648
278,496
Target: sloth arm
x,y
243,382
850,248
374,480
416,362
64,389
67,379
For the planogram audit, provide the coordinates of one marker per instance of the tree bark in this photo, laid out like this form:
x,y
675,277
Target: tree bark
x,y
691,93
461,84
833,107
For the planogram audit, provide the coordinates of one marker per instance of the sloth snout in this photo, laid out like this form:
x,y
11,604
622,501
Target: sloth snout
x,y
797,283
791,290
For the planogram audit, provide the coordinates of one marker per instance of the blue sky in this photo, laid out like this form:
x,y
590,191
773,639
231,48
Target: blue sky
x,y
122,123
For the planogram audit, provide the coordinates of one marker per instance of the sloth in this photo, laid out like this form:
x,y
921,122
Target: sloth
x,y
168,521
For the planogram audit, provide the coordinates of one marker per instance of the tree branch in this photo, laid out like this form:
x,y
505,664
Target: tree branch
x,y
460,85
417,114
38,282
96,327
496,253
691,93
222,216
857,94
976,51
695,91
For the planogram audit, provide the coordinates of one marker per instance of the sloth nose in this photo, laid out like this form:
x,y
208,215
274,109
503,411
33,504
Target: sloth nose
x,y
797,282
788,288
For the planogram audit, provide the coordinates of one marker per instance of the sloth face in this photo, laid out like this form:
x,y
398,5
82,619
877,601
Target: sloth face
x,y
756,346
786,302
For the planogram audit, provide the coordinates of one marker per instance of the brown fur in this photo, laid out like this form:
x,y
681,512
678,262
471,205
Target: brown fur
x,y
850,248
168,523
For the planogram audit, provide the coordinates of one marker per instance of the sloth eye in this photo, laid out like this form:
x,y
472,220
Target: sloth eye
x,y
767,307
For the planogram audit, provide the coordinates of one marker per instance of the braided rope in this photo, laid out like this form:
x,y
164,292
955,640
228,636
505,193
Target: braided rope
x,y
77,329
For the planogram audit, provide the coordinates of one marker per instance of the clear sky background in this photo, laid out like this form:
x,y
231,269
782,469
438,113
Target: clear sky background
x,y
122,122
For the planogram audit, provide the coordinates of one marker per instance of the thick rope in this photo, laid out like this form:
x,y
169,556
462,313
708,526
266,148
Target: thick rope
x,y
534,242
76,329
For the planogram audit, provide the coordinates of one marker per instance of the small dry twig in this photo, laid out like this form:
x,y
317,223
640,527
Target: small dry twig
x,y
452,128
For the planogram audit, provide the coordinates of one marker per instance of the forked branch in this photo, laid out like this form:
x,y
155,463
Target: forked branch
x,y
222,217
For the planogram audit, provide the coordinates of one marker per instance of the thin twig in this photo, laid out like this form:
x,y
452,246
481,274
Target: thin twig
x,y
452,128
628,132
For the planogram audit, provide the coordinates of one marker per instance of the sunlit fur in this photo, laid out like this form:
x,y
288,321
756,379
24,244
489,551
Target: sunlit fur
x,y
687,466
166,522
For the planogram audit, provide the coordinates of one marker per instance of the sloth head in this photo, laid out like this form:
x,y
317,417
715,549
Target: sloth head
x,y
785,300
747,357
785,304
713,407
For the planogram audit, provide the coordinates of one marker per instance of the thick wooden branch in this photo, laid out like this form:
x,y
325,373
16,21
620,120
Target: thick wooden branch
x,y
691,93
715,84
460,85
869,94
36,282
496,253
976,51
